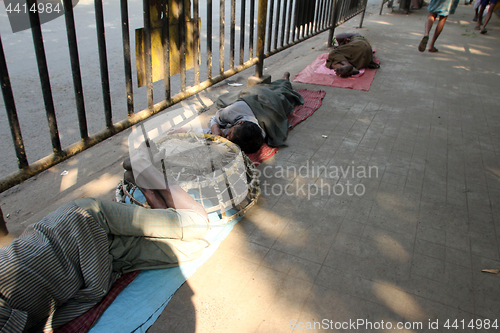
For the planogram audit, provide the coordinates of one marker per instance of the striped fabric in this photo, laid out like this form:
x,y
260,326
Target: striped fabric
x,y
71,273
12,320
63,265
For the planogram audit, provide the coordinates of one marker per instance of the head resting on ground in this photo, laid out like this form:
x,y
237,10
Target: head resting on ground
x,y
345,37
247,135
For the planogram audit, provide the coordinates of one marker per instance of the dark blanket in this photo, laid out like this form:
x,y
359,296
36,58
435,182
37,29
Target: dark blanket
x,y
270,103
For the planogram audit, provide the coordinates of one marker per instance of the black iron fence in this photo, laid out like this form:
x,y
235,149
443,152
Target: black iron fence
x,y
175,48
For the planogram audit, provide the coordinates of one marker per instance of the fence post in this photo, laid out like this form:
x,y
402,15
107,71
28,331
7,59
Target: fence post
x,y
261,37
10,107
43,72
363,15
334,17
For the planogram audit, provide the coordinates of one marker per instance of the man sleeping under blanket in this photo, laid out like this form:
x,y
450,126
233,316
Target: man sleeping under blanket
x,y
353,53
63,265
254,115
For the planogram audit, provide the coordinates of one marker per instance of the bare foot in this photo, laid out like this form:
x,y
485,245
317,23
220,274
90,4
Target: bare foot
x,y
127,165
344,71
129,177
286,76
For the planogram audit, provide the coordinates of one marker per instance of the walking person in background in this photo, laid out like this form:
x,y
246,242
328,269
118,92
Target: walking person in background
x,y
441,8
477,4
482,6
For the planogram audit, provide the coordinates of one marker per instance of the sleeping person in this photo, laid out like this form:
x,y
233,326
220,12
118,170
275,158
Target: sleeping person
x,y
63,265
255,115
353,53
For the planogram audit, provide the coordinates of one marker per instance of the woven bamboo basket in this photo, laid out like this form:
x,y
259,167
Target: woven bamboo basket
x,y
225,179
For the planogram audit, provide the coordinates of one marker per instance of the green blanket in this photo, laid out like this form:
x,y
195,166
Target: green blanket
x,y
270,103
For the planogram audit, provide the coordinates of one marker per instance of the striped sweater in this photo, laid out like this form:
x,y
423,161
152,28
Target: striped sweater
x,y
71,273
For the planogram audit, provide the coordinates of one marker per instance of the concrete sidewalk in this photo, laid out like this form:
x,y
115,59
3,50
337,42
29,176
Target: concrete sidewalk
x,y
409,249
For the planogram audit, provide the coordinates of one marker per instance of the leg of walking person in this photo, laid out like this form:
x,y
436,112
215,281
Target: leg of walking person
x,y
428,26
437,32
488,17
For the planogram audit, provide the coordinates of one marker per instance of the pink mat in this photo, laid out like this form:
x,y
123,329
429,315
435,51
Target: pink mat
x,y
262,154
315,75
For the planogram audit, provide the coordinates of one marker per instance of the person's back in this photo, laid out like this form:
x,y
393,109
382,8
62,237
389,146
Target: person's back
x,y
61,263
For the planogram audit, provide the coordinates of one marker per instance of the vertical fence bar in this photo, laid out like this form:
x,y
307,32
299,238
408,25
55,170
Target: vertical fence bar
x,y
294,19
10,107
333,21
321,14
301,19
242,32
314,25
165,39
147,52
270,25
328,18
222,27
363,15
307,23
283,24
252,28
289,25
312,16
209,39
182,42
233,34
261,36
277,23
340,12
126,57
318,15
196,40
75,68
43,71
103,61
324,14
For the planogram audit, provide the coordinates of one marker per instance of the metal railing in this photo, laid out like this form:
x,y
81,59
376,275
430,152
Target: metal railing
x,y
279,24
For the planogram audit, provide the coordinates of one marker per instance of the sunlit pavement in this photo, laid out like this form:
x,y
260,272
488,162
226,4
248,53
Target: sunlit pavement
x,y
378,216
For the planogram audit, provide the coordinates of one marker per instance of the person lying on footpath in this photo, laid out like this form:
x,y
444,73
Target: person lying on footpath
x,y
255,115
63,265
353,53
